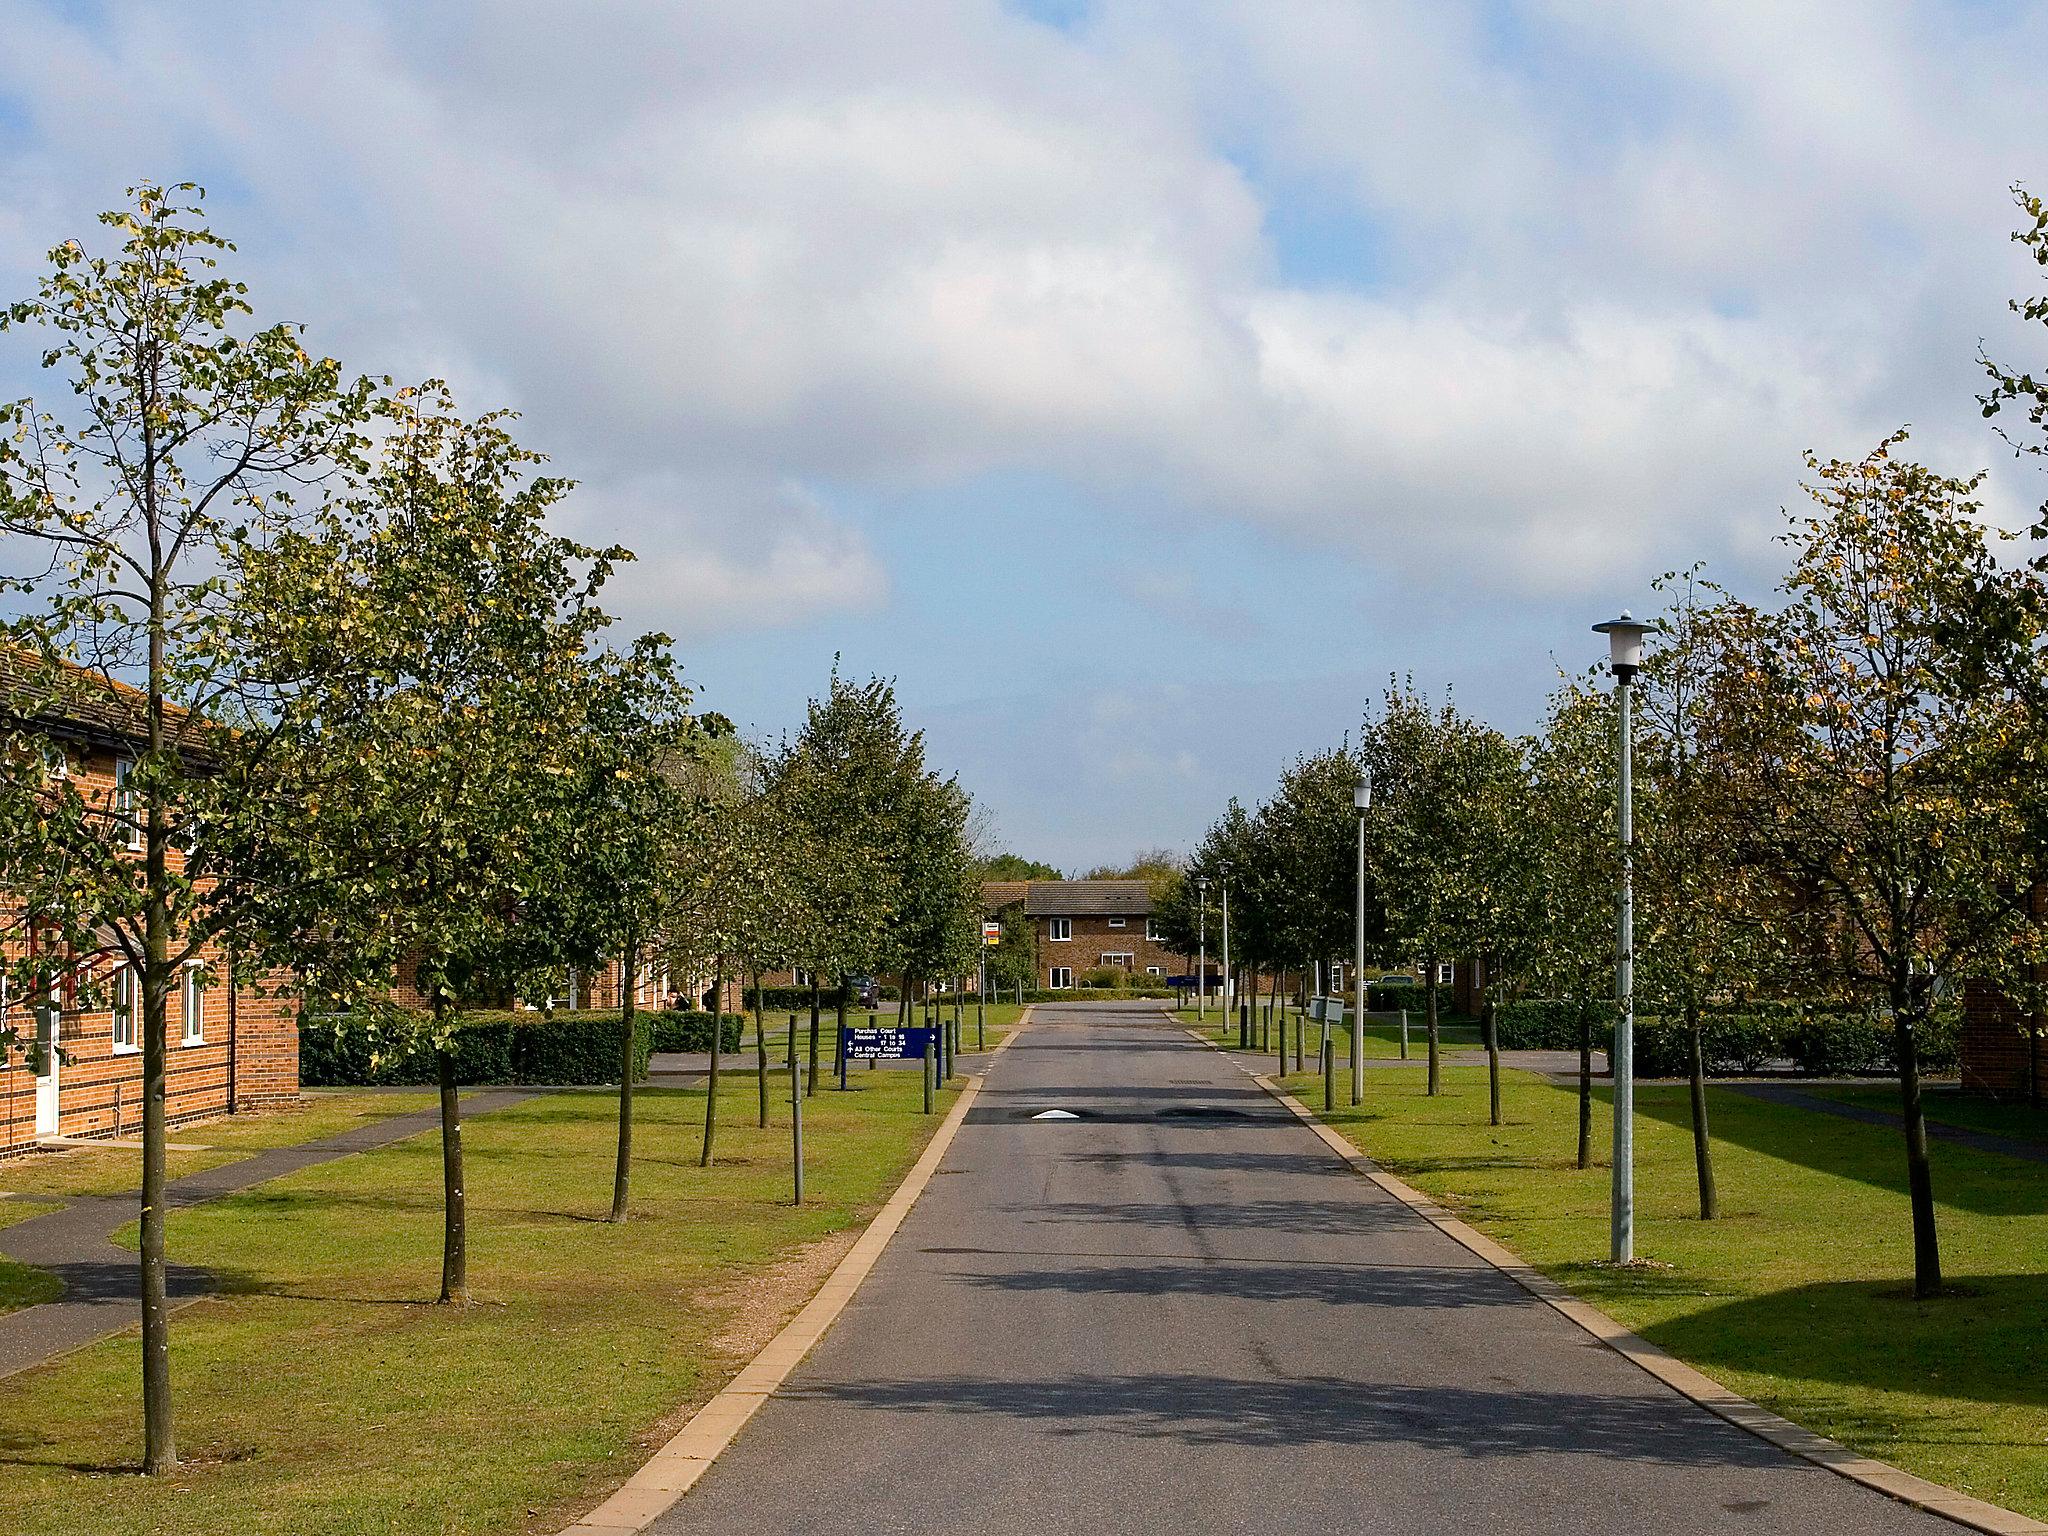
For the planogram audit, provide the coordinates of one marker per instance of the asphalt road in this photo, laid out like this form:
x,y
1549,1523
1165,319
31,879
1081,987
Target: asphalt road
x,y
1178,1314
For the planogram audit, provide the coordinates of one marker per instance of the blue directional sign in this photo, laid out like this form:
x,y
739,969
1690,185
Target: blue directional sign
x,y
887,1044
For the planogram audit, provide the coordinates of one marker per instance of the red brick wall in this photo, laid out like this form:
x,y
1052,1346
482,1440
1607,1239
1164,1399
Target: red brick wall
x,y
99,1088
1995,1047
1093,938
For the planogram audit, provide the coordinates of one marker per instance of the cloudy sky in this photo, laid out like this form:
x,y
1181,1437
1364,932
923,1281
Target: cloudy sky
x,y
1140,384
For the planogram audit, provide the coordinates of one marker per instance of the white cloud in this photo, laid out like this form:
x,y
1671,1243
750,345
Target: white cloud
x,y
1635,256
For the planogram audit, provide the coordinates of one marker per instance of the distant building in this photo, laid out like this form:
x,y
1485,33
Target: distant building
x,y
1089,925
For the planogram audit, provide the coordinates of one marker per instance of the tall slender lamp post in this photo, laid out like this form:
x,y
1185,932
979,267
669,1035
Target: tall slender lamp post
x,y
1361,797
1226,959
1624,660
1202,950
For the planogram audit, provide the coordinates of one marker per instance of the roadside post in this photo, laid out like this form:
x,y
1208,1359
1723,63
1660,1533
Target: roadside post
x,y
796,1117
1202,952
926,1056
1361,800
1329,1071
1404,1034
1228,991
1624,660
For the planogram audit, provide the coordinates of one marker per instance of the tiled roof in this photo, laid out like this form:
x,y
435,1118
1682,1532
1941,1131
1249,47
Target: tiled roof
x,y
1088,898
998,894
74,700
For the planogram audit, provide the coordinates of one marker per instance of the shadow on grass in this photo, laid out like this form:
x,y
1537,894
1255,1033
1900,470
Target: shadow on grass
x,y
1981,1344
1980,1182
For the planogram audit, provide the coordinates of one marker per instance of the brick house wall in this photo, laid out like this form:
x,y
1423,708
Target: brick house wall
x,y
1998,1058
244,1054
1092,937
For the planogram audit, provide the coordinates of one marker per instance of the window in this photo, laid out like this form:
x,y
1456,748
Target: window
x,y
124,800
124,1009
193,995
1062,977
1060,929
1122,961
1152,933
1446,973
56,762
1155,970
1116,922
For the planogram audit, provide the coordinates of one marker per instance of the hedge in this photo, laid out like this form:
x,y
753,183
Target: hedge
x,y
1732,1044
492,1046
792,999
1414,999
681,1029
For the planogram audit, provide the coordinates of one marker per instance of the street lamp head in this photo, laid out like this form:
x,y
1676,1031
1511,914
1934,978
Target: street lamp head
x,y
1361,796
1624,644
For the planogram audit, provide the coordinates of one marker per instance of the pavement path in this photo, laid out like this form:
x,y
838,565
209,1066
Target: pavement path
x,y
102,1288
1179,1313
1962,1136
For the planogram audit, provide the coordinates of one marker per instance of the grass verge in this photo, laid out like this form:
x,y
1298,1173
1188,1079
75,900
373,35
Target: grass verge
x,y
1799,1296
325,1395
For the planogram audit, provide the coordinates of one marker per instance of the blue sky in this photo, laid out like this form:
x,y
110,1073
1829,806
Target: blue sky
x,y
1139,384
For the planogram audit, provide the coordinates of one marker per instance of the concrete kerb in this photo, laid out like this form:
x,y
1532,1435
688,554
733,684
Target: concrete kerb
x,y
674,1469
1879,1476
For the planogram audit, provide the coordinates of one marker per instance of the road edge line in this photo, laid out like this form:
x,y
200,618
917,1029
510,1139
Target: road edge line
x,y
673,1469
1689,1382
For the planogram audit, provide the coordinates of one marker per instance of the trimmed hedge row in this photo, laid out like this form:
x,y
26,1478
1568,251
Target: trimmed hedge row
x,y
1735,1044
788,999
337,1051
1414,999
682,1029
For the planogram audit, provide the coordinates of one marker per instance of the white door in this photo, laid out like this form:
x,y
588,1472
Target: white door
x,y
43,1056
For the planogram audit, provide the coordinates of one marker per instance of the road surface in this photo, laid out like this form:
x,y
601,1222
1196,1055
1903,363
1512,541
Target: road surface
x,y
1178,1314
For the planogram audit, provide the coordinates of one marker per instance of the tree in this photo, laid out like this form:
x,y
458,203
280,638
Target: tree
x,y
450,639
1885,802
186,444
1013,961
1009,866
843,782
1572,824
1696,936
617,846
1438,778
935,932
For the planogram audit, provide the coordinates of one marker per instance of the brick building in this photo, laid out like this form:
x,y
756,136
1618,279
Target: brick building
x,y
1087,925
75,1068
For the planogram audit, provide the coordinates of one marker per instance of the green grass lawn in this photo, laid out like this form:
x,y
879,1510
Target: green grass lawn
x,y
20,1285
1799,1297
326,1394
1947,1107
99,1170
1382,1036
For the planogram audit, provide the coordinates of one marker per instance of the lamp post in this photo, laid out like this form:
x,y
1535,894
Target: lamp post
x,y
1226,959
1202,951
1361,797
1624,660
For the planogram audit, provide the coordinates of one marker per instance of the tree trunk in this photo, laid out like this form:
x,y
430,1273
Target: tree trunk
x,y
454,1209
1435,1065
1585,1085
1489,1029
1702,1145
160,1447
717,1051
622,1172
811,1087
761,1049
1919,1178
1300,1029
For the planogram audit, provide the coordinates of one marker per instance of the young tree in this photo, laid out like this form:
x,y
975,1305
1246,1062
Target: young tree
x,y
1885,802
185,444
1572,824
450,638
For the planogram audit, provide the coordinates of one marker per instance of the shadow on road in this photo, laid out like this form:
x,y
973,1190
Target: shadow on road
x,y
1216,1410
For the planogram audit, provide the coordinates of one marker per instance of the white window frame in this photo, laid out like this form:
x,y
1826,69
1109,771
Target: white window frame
x,y
124,800
1060,978
1116,922
56,760
1155,970
1446,972
1059,930
1119,959
192,1002
1152,933
122,1011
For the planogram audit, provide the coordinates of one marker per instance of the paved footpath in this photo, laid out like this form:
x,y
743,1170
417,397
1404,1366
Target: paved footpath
x,y
1180,1314
102,1286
